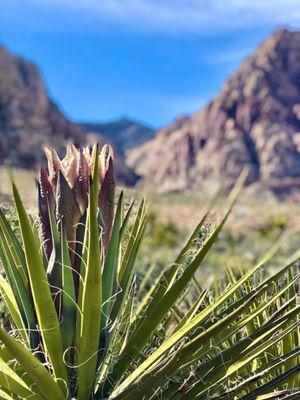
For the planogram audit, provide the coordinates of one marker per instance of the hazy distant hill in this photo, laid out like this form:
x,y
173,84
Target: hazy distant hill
x,y
254,122
29,119
124,133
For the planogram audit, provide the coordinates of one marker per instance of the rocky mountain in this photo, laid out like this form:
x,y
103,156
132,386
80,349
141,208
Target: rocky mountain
x,y
253,122
123,134
29,119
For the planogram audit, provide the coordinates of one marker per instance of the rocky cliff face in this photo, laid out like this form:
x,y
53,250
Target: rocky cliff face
x,y
29,119
253,122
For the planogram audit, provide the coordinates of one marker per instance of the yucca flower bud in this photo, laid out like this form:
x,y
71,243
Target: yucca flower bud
x,y
63,190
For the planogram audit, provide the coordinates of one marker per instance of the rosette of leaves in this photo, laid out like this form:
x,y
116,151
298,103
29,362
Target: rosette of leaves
x,y
78,327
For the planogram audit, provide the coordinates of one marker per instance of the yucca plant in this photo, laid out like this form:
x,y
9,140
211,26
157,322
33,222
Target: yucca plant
x,y
78,326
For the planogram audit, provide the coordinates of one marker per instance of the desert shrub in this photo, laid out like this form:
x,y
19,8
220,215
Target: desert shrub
x,y
274,227
161,233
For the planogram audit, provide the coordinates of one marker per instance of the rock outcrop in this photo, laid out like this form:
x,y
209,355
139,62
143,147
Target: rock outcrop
x,y
253,122
29,119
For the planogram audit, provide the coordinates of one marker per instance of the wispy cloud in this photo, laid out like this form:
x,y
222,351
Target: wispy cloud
x,y
179,16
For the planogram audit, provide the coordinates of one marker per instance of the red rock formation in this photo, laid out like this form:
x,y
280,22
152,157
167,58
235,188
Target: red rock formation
x,y
254,122
29,119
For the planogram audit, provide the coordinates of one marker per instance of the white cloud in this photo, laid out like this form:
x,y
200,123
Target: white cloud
x,y
177,16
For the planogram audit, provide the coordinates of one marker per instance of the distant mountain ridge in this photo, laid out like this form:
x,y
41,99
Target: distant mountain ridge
x,y
253,122
123,133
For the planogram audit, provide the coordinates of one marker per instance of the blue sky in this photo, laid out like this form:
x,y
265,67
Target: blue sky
x,y
147,59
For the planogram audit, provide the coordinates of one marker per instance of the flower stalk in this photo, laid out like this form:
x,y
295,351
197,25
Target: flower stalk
x,y
63,190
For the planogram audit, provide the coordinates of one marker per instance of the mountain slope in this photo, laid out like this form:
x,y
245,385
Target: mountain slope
x,y
29,119
253,122
123,134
